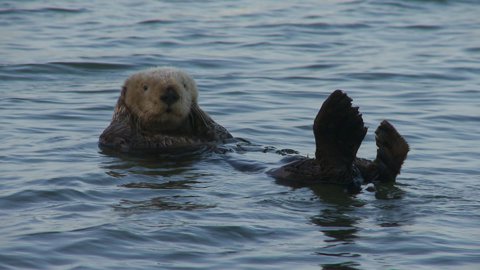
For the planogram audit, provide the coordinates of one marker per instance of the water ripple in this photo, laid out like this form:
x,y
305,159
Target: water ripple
x,y
59,10
263,69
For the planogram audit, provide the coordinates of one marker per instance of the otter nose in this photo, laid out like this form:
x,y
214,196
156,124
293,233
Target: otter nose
x,y
170,96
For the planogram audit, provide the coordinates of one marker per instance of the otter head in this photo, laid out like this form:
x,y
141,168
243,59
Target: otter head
x,y
160,98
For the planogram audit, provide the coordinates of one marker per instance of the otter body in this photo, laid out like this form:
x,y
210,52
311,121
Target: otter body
x,y
339,130
158,111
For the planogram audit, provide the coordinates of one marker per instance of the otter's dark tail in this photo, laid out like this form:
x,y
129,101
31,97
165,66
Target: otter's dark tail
x,y
339,131
392,151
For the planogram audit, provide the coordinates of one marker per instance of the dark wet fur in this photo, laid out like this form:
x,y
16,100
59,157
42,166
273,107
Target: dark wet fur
x,y
126,134
339,131
391,153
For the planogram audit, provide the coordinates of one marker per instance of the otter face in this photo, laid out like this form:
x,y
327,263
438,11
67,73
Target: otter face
x,y
161,98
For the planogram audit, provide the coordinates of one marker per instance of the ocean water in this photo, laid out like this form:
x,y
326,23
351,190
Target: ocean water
x,y
263,69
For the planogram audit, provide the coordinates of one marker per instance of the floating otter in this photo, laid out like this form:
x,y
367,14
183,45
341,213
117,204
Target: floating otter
x,y
339,130
158,111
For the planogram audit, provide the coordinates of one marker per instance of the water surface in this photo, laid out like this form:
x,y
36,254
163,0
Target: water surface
x,y
263,70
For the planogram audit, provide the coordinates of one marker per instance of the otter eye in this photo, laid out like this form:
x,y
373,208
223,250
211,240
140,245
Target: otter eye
x,y
185,85
145,88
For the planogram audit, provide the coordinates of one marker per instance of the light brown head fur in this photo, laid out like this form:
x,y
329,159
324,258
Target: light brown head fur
x,y
160,98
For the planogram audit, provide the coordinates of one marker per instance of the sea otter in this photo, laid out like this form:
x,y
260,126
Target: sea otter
x,y
158,111
339,130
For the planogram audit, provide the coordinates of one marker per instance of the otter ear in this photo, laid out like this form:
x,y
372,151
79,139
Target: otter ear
x,y
191,87
185,84
124,91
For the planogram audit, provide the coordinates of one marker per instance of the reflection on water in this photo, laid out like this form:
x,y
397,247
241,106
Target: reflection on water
x,y
151,165
386,191
337,225
341,266
338,222
336,195
343,220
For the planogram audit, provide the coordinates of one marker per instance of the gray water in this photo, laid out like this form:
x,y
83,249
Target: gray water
x,y
263,70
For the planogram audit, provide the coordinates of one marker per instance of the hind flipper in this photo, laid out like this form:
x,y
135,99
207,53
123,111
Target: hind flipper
x,y
339,130
391,153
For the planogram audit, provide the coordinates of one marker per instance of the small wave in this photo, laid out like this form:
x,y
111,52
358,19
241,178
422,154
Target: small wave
x,y
92,65
421,27
391,75
30,196
399,4
16,71
473,49
216,63
316,66
161,203
42,10
451,118
257,44
314,25
155,21
167,185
